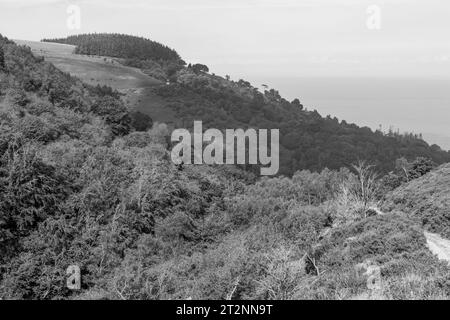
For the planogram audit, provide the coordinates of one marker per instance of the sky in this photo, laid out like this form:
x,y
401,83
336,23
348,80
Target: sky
x,y
258,38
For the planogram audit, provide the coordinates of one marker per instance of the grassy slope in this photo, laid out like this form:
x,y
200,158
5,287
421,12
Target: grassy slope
x,y
90,69
426,199
106,71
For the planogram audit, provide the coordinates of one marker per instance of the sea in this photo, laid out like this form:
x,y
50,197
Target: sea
x,y
417,105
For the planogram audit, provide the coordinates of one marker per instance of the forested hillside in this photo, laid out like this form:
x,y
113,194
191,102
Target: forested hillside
x,y
119,46
79,185
155,59
308,140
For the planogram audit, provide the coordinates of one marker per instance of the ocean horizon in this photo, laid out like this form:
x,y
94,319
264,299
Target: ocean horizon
x,y
417,105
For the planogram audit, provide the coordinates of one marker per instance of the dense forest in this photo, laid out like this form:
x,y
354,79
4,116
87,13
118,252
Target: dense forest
x,y
119,46
79,184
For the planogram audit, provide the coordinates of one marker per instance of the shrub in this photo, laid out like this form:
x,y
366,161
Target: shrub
x,y
140,121
114,113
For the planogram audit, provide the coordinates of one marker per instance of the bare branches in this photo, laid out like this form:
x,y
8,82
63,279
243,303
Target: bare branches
x,y
357,195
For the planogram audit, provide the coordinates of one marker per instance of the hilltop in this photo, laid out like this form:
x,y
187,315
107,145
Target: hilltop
x,y
119,46
132,83
155,59
94,70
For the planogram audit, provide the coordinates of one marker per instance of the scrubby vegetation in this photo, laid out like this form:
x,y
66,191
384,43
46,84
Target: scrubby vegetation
x,y
83,182
426,199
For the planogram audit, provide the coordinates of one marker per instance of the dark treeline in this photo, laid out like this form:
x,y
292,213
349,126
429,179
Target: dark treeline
x,y
308,140
119,46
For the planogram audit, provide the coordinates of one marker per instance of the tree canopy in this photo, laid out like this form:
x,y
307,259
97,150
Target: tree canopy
x,y
119,46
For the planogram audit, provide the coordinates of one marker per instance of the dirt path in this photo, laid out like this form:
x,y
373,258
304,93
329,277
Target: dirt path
x,y
438,246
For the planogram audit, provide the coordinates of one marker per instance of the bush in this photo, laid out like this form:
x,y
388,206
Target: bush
x,y
114,113
30,192
140,121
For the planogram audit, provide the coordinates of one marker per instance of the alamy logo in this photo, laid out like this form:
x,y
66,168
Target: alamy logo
x,y
234,146
373,21
74,18
73,281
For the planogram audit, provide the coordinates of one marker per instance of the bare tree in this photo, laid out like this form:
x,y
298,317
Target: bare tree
x,y
357,195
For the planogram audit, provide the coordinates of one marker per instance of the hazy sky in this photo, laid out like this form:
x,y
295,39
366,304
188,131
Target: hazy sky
x,y
257,38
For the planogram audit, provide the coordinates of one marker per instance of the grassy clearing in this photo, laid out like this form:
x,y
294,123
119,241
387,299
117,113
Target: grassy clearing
x,y
95,70
91,69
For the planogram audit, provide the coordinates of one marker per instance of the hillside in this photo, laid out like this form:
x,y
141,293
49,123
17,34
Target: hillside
x,y
308,140
119,46
155,59
131,82
74,174
94,70
426,199
81,185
